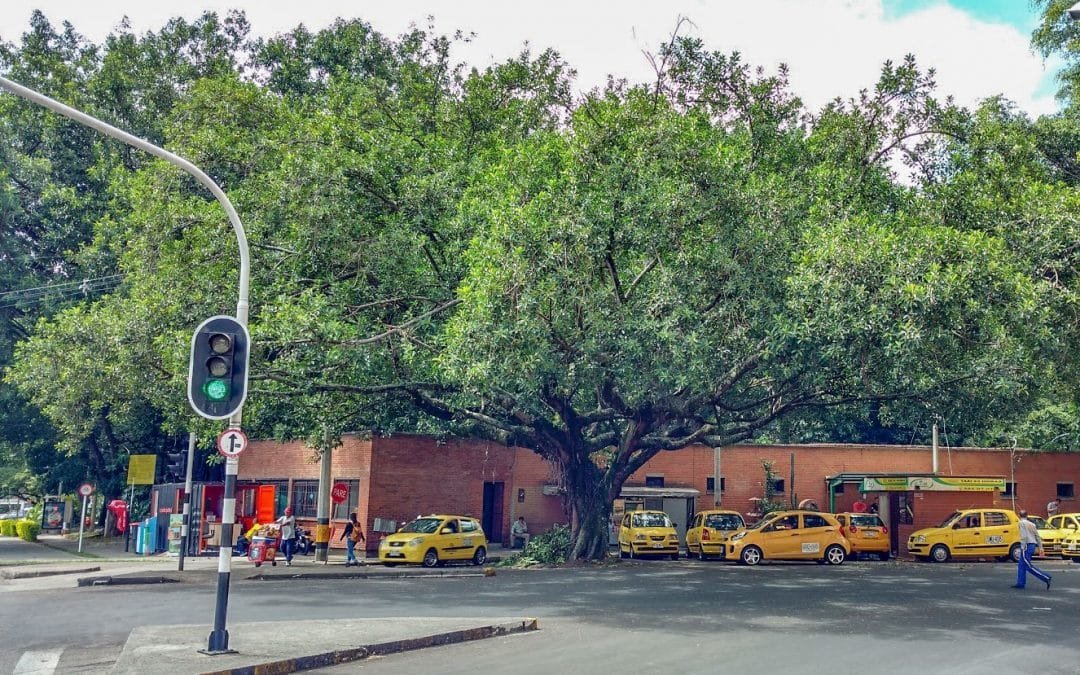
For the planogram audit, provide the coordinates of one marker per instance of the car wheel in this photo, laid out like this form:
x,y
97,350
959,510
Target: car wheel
x,y
480,556
431,558
883,556
1015,553
675,555
940,553
622,553
834,555
751,555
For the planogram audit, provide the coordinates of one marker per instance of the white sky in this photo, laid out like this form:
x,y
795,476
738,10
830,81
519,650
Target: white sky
x,y
833,47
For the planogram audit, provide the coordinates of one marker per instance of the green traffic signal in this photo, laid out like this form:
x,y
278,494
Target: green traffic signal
x,y
216,390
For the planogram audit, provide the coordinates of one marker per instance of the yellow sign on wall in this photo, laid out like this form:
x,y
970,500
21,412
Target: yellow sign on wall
x,y
141,469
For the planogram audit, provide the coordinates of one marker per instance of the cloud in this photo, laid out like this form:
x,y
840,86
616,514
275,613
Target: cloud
x,y
833,47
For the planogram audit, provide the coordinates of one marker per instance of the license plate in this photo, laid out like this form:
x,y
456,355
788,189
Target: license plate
x,y
658,546
869,534
395,554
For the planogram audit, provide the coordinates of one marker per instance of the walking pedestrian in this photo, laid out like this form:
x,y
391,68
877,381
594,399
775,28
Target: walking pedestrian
x,y
1029,542
288,534
352,535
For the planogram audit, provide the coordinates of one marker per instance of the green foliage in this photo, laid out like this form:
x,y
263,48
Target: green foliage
x,y
27,529
548,548
768,490
8,527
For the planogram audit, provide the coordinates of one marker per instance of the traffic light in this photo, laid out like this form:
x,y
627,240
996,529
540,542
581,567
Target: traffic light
x,y
217,374
175,467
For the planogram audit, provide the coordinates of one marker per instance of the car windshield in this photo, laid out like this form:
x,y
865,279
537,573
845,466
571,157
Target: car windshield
x,y
723,521
948,521
866,521
423,526
1040,523
650,520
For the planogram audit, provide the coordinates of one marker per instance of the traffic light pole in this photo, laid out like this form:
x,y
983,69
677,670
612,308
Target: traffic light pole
x,y
185,527
219,638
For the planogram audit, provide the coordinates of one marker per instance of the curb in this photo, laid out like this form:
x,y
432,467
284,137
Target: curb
x,y
33,574
124,581
339,656
362,575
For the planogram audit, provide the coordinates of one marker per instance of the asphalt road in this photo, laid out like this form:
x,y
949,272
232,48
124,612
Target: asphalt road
x,y
687,616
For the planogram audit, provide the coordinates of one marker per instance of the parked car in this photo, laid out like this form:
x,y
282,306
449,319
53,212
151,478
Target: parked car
x,y
790,535
1049,535
709,531
1070,546
433,540
648,533
866,533
970,532
1065,524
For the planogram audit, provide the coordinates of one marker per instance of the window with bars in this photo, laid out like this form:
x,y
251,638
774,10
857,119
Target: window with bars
x,y
710,485
305,498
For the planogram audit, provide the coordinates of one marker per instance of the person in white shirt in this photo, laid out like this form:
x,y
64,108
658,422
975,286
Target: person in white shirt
x,y
1029,542
519,530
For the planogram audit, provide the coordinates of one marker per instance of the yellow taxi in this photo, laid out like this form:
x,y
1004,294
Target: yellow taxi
x,y
1049,535
866,533
647,533
709,529
970,532
790,535
433,540
1070,546
1063,525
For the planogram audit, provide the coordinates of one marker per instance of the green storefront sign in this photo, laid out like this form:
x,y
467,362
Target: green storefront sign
x,y
932,484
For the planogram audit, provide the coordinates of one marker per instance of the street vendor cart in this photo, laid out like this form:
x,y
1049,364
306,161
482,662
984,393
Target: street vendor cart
x,y
264,545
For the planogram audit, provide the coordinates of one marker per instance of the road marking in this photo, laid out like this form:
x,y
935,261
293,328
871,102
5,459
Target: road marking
x,y
38,663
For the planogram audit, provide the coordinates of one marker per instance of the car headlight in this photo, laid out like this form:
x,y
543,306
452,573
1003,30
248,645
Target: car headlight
x,y
738,536
920,539
415,541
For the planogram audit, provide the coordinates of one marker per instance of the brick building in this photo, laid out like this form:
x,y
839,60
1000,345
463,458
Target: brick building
x,y
393,479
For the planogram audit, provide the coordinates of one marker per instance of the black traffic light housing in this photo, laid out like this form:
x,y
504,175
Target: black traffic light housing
x,y
175,467
217,373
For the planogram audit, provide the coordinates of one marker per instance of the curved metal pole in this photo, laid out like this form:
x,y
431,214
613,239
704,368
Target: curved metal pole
x,y
219,637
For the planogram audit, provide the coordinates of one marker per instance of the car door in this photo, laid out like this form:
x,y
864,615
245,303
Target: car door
x,y
781,538
451,538
624,532
814,535
472,537
968,535
998,533
693,535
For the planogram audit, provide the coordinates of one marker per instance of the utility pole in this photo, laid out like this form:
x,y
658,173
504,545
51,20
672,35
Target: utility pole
x,y
322,530
219,638
185,527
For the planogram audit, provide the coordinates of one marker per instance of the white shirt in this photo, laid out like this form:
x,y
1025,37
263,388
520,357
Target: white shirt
x,y
1029,534
1051,508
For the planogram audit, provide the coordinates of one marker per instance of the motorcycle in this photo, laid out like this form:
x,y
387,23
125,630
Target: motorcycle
x,y
304,544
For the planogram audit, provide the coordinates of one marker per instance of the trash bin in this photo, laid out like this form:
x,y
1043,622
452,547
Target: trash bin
x,y
137,537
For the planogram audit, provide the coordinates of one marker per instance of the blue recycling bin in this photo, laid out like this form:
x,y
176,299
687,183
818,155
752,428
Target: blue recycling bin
x,y
148,536
137,535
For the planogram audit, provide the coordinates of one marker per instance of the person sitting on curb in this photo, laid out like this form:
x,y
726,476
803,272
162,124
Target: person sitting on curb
x,y
519,531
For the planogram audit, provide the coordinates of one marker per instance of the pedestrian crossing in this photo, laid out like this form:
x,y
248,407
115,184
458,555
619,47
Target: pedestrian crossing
x,y
66,659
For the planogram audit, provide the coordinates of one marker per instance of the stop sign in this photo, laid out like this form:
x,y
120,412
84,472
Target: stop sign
x,y
339,492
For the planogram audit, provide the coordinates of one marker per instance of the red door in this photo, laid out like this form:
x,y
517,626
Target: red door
x,y
264,503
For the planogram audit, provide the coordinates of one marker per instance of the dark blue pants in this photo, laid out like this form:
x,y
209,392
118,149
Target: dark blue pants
x,y
1025,565
287,548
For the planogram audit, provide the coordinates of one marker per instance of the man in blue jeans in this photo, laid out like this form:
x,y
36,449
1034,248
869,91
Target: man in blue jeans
x,y
1029,542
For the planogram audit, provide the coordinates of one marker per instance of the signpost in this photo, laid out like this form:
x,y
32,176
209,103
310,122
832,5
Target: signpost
x,y
86,489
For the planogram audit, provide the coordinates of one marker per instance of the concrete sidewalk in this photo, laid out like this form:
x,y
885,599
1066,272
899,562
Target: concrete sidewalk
x,y
292,646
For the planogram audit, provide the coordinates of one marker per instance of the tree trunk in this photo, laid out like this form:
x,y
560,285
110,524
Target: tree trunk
x,y
590,509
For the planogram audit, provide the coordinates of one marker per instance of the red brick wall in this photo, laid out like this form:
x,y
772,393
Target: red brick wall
x,y
405,475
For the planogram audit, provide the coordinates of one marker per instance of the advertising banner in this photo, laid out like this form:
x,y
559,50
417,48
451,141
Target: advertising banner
x,y
141,469
932,484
